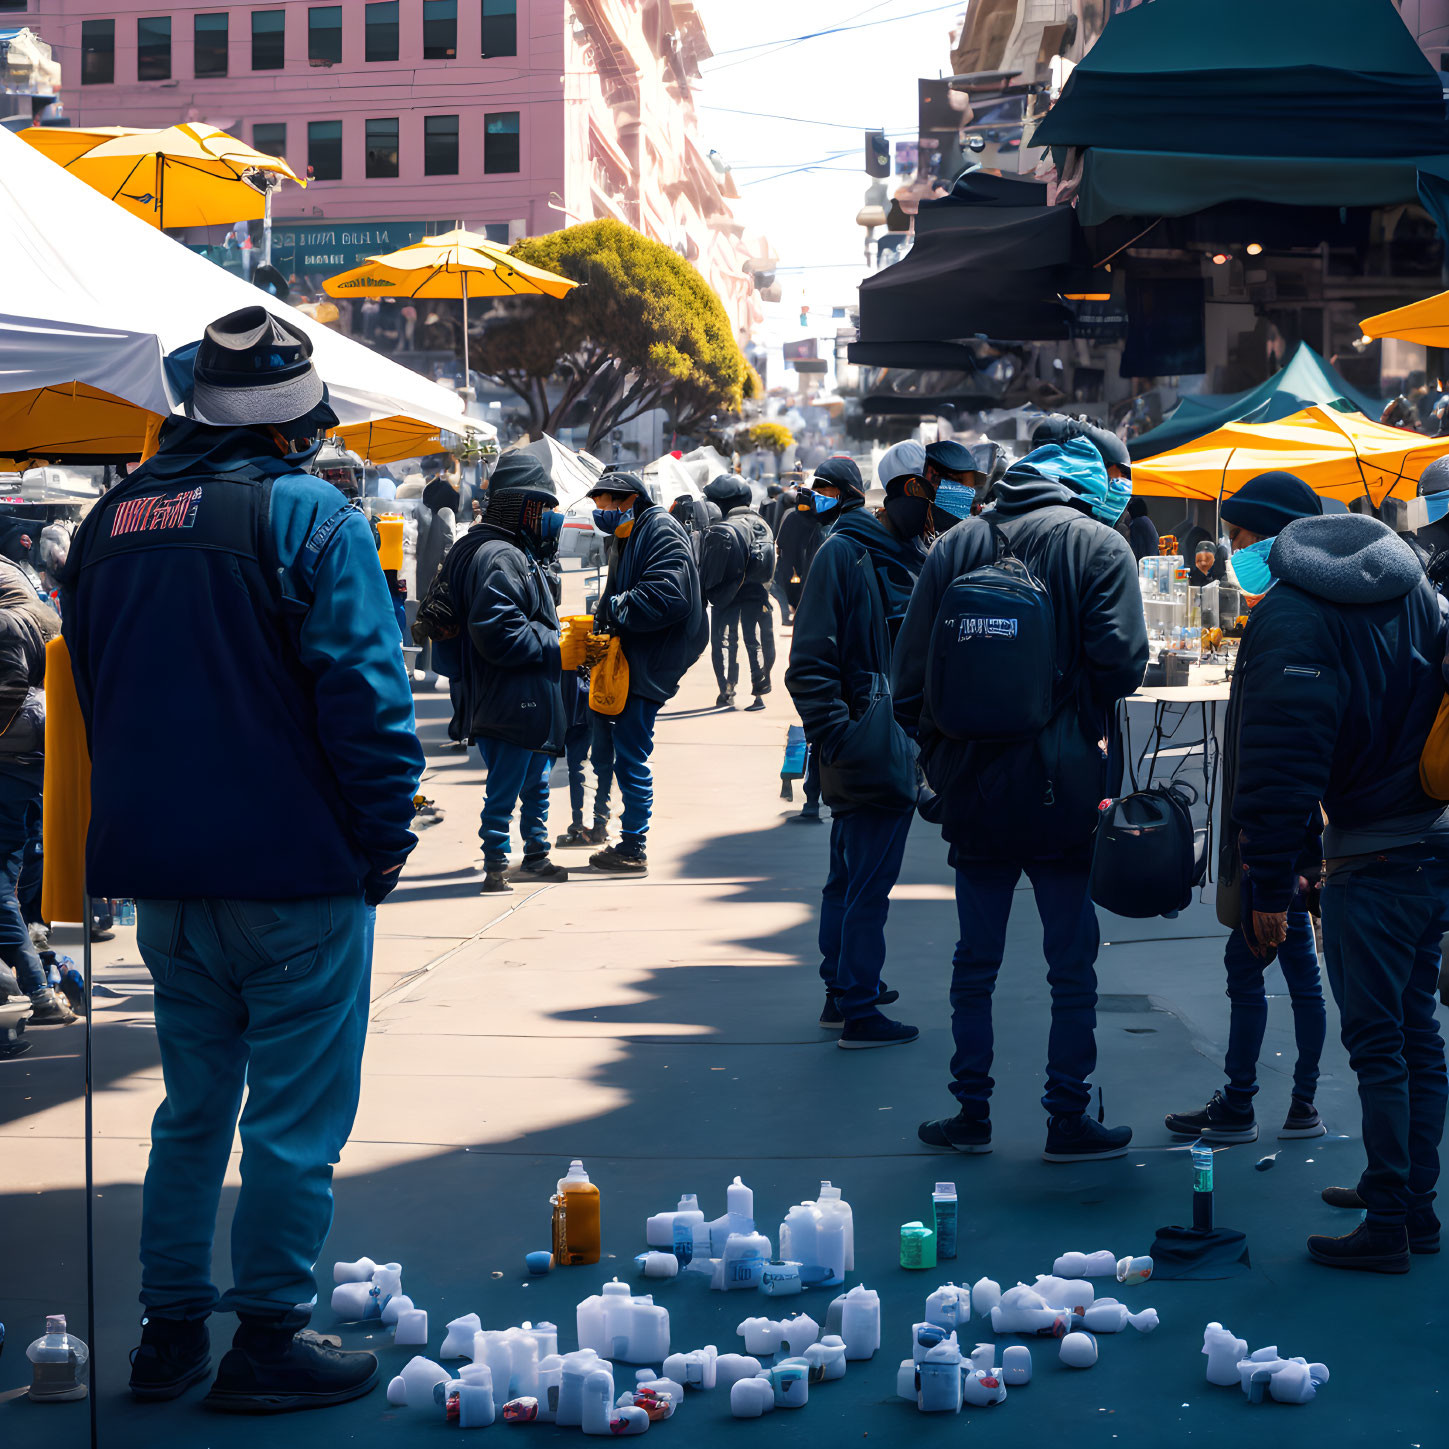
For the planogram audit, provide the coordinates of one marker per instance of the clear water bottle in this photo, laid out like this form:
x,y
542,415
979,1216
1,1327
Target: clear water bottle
x,y
1202,1186
128,913
60,1364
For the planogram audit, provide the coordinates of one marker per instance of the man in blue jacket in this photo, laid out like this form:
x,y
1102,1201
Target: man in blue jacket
x,y
1031,806
233,642
652,601
1343,683
512,691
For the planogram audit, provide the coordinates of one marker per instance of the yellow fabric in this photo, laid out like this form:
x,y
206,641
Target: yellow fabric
x,y
1425,322
390,440
70,420
390,541
67,791
441,266
1434,759
62,144
609,681
574,640
1339,455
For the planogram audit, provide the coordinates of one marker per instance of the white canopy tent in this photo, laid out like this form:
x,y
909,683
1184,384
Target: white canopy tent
x,y
93,295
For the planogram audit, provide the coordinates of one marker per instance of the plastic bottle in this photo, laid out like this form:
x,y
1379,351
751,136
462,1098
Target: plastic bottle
x,y
60,1364
943,1201
739,1217
834,1209
1202,1186
918,1246
128,913
575,1219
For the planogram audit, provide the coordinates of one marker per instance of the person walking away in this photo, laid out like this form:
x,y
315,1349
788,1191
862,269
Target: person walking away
x,y
840,656
737,568
801,534
653,604
224,606
1343,681
26,626
512,665
1028,804
1255,515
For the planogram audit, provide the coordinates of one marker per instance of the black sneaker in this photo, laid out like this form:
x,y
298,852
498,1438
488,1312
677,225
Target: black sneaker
x,y
1302,1121
615,861
832,1020
577,834
1343,1197
49,1010
757,705
965,1134
1079,1138
1217,1122
271,1372
541,868
1370,1250
808,815
875,1030
495,883
173,1354
725,700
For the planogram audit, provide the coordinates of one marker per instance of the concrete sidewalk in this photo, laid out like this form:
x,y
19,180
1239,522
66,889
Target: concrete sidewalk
x,y
664,1030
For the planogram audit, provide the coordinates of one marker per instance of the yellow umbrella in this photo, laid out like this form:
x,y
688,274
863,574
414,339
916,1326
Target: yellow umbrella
x,y
1339,455
1425,322
70,422
390,440
456,265
189,175
62,144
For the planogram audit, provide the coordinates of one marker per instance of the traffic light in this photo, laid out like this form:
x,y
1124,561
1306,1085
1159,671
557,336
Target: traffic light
x,y
877,155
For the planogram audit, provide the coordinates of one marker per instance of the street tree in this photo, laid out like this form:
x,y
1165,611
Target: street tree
x,y
767,438
644,331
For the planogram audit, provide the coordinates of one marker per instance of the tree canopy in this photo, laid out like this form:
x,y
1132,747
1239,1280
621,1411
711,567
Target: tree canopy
x,y
766,438
644,331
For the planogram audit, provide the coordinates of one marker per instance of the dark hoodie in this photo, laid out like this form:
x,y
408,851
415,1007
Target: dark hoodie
x,y
1342,674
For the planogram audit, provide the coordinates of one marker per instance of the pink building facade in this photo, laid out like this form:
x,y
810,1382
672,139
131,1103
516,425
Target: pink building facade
x,y
514,117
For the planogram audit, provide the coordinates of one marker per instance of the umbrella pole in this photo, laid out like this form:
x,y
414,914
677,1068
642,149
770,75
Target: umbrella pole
x,y
467,388
160,192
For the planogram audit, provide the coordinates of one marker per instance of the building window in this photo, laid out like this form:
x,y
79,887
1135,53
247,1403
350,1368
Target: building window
x,y
270,138
153,47
98,52
269,39
440,145
440,29
500,141
324,33
13,4
382,146
209,35
324,150
500,27
382,31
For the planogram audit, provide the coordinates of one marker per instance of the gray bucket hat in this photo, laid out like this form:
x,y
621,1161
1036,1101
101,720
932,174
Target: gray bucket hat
x,y
253,368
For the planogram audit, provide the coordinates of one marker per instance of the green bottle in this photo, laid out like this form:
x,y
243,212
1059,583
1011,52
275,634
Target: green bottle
x,y
918,1246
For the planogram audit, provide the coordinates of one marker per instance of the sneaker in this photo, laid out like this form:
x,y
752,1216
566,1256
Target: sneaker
x,y
875,1030
1302,1121
540,868
102,933
272,1372
1075,1137
173,1354
49,1010
726,700
1343,1197
1217,1122
495,883
1368,1249
577,834
72,986
809,815
757,705
965,1134
598,833
614,861
39,935
832,1020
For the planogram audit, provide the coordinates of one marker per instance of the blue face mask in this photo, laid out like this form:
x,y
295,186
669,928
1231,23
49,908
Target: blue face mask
x,y
606,520
1249,566
822,502
1112,504
954,498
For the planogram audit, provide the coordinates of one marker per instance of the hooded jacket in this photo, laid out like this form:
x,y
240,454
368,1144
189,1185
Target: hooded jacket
x,y
26,627
1342,675
801,534
1033,799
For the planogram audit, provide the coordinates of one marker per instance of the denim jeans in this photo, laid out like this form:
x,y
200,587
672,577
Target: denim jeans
x,y
724,639
866,849
633,744
516,777
1248,1015
1383,921
32,868
1069,942
270,997
601,754
19,799
576,754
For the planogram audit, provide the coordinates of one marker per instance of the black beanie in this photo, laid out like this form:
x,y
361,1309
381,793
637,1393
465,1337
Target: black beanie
x,y
520,470
1267,504
728,491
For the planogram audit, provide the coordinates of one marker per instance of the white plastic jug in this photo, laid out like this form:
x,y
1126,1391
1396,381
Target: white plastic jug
x,y
860,1323
834,1209
739,1217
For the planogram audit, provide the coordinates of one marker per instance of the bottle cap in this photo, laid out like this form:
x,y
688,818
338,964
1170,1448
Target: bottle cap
x,y
946,1189
576,1172
55,1323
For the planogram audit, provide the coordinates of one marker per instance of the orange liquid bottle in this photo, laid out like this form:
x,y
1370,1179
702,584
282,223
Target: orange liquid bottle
x,y
575,1219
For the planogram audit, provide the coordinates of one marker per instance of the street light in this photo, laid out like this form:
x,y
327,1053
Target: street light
x,y
1255,249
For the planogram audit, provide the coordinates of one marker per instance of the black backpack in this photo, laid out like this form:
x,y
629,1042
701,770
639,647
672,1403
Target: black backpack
x,y
1146,860
724,563
761,548
992,673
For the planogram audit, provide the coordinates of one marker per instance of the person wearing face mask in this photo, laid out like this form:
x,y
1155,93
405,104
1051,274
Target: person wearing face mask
x,y
230,634
1031,805
1430,540
652,601
513,700
953,467
850,611
1254,517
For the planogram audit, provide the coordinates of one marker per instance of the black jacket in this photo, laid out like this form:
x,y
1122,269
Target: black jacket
x,y
1032,799
652,600
797,542
1341,676
26,626
511,679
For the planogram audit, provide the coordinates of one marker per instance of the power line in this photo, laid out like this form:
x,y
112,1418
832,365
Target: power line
x,y
802,120
791,41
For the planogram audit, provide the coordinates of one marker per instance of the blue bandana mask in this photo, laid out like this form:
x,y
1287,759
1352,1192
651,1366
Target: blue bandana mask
x,y
1110,506
606,520
957,499
1249,566
822,502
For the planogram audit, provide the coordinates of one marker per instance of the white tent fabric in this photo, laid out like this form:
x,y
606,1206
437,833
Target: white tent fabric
x,y
95,295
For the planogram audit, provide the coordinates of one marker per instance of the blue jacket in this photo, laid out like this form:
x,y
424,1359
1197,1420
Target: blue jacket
x,y
652,601
1341,678
237,664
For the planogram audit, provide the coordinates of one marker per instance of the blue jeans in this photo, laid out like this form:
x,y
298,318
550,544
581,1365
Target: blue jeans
x,y
1069,943
516,777
19,799
1382,925
1248,1017
866,849
633,744
270,997
601,753
576,754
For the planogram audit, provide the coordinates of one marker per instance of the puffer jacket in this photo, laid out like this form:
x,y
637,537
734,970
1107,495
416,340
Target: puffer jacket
x,y
26,627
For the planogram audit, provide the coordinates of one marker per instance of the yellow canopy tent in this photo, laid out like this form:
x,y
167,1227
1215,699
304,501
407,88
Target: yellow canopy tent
x,y
1425,322
73,421
390,440
1339,455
